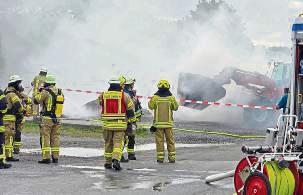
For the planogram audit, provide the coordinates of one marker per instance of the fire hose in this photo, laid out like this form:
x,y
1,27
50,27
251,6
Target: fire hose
x,y
225,134
147,126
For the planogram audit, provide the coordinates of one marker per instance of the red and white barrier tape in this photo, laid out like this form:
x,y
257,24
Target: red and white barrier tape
x,y
198,102
228,104
82,91
190,101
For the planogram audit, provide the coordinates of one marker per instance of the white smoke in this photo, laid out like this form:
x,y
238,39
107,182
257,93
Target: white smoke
x,y
86,42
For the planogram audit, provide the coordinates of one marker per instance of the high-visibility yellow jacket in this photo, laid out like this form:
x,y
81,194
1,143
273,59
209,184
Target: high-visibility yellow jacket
x,y
163,110
27,103
14,105
117,110
48,103
38,82
3,109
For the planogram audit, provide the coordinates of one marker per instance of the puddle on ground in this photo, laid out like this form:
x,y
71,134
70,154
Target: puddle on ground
x,y
83,167
144,170
108,181
225,184
72,152
191,171
177,181
96,152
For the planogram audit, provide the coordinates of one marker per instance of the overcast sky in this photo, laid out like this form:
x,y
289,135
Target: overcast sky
x,y
266,21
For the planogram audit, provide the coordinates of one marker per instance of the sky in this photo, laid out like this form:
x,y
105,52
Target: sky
x,y
267,22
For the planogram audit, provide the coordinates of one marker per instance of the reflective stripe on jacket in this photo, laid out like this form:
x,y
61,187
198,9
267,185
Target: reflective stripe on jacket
x,y
38,82
14,105
163,110
115,108
3,110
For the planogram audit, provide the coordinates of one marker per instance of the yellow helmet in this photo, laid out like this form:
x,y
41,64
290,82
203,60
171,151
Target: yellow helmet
x,y
163,84
130,81
122,80
50,79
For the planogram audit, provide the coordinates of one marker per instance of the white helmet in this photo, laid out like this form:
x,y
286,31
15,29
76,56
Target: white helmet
x,y
114,81
43,70
14,78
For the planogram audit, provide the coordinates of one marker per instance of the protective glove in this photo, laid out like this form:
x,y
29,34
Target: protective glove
x,y
129,129
153,129
41,89
134,126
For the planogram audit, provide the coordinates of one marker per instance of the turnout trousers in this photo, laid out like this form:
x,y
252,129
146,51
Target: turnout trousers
x,y
169,136
130,143
10,131
50,138
17,140
114,142
2,144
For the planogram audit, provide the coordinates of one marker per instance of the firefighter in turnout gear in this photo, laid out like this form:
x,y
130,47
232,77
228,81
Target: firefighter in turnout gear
x,y
37,83
130,137
3,110
27,105
164,103
51,100
117,118
15,114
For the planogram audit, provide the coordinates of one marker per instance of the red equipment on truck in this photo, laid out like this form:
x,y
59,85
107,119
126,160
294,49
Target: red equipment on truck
x,y
276,168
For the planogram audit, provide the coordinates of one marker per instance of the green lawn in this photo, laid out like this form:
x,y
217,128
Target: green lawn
x,y
81,130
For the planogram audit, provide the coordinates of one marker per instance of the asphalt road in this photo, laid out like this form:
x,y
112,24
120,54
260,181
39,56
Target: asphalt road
x,y
80,170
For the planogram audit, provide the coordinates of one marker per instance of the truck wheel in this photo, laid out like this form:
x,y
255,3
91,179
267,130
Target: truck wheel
x,y
242,172
255,117
257,184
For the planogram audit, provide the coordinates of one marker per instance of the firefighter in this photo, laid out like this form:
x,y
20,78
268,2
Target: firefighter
x,y
164,103
14,115
37,83
117,117
3,109
130,138
27,104
283,101
51,100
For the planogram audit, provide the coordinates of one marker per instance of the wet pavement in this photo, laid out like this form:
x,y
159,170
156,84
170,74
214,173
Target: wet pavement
x,y
75,175
81,171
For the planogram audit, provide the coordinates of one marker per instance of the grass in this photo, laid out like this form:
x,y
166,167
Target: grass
x,y
80,130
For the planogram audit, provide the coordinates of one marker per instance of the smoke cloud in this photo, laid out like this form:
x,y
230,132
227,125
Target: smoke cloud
x,y
86,42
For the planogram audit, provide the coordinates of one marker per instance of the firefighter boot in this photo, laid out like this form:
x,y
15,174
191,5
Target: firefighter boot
x,y
16,150
55,160
4,165
124,160
108,166
132,157
116,165
44,161
160,161
12,159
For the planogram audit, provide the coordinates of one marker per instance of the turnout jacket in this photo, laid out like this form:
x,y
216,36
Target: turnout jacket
x,y
117,110
15,109
163,103
46,100
38,82
3,109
